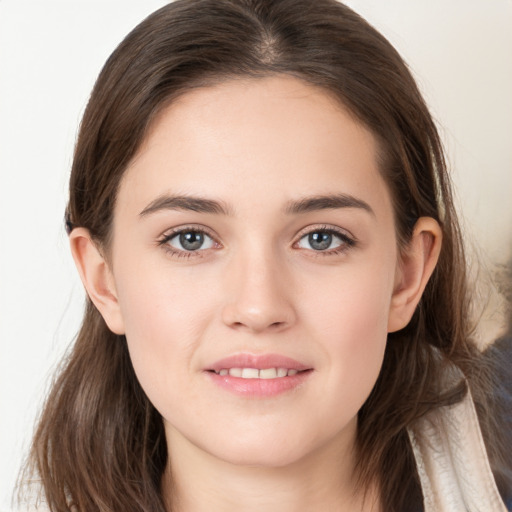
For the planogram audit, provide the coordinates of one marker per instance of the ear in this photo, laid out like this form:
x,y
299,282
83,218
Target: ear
x,y
413,271
96,277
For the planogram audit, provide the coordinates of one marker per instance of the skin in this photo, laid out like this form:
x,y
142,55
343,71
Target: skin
x,y
258,286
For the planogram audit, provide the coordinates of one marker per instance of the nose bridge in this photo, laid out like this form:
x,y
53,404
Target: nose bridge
x,y
259,290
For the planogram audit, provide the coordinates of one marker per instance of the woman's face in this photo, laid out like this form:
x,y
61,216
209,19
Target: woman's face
x,y
254,260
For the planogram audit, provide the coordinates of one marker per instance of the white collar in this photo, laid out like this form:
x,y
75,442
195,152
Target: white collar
x,y
452,462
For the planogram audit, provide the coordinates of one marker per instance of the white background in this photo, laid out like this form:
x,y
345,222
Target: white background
x,y
50,55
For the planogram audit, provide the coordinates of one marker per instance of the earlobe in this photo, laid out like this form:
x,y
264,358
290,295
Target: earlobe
x,y
413,271
96,277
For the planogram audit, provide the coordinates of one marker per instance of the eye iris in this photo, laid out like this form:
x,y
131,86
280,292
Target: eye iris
x,y
320,240
192,240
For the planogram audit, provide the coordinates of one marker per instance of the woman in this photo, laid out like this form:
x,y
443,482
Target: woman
x,y
261,215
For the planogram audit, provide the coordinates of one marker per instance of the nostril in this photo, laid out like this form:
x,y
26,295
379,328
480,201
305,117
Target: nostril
x,y
274,326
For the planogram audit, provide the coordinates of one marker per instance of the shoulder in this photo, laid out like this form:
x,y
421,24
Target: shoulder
x,y
499,357
451,457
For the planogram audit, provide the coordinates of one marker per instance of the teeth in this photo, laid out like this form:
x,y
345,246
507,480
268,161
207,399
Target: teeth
x,y
268,373
250,373
235,372
282,372
254,373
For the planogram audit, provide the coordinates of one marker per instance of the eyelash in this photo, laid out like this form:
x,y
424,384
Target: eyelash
x,y
347,242
177,253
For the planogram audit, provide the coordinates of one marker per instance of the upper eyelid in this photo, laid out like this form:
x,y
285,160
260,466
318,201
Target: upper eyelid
x,y
324,227
169,233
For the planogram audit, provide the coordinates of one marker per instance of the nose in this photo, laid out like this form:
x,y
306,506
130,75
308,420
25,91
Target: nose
x,y
259,292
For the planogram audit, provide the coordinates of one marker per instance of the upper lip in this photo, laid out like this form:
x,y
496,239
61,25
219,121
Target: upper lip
x,y
260,362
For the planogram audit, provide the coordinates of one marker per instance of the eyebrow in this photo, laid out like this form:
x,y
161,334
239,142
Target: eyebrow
x,y
296,206
188,203
327,202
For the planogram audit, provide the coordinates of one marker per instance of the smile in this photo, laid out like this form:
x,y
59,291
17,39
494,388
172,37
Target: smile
x,y
254,373
258,375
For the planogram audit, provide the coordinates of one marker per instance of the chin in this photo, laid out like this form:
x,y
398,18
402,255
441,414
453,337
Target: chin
x,y
263,460
264,453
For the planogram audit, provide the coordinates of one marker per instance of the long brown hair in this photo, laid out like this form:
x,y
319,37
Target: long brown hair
x,y
100,443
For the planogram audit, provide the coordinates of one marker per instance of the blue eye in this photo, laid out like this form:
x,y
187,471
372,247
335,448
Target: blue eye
x,y
189,240
324,240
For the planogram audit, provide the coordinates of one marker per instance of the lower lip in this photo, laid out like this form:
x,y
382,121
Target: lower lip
x,y
259,388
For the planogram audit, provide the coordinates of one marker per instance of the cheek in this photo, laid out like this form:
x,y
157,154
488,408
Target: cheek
x,y
165,319
351,320
353,300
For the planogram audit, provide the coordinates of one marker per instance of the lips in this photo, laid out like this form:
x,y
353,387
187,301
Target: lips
x,y
258,375
255,373
258,362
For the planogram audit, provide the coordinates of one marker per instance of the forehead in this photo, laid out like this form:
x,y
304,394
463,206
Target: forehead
x,y
245,138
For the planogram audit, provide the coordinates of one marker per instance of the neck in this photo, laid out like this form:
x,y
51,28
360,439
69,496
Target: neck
x,y
196,481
